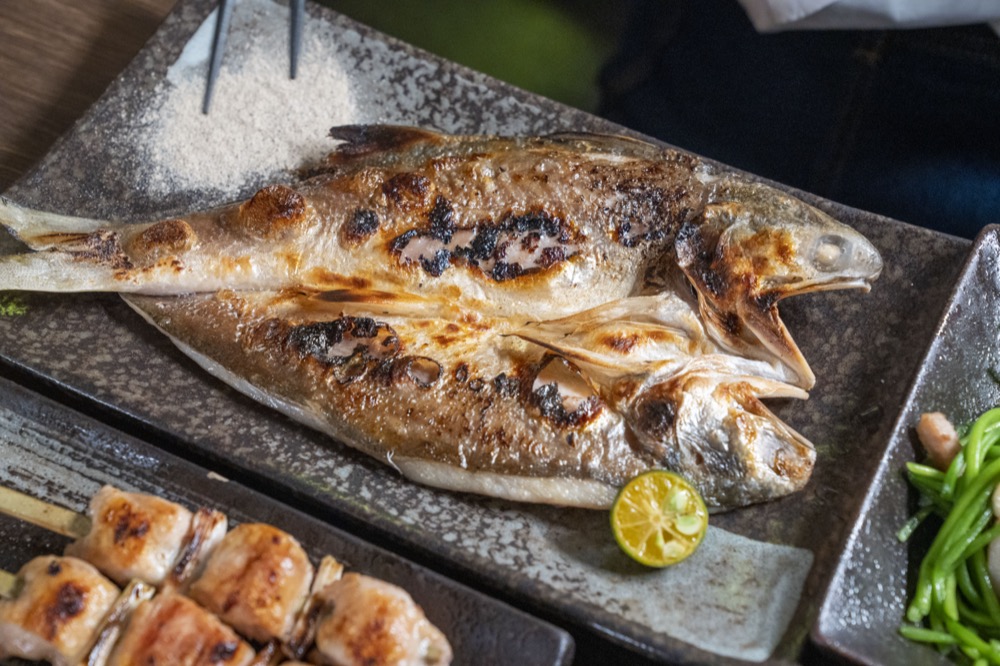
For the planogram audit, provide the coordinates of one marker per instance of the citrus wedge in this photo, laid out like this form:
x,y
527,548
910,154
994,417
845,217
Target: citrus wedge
x,y
658,518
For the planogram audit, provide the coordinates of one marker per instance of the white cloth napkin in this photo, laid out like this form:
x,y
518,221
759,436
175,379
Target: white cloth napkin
x,y
776,15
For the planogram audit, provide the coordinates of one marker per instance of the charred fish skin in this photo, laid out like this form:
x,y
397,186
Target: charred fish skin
x,y
536,318
537,227
473,408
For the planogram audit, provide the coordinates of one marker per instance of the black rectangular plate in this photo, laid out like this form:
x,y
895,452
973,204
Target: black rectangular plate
x,y
870,588
562,564
61,456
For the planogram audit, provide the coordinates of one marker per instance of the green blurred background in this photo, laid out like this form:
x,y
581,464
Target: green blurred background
x,y
553,48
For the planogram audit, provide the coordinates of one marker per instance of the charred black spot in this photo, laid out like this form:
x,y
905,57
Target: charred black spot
x,y
552,256
485,243
461,373
731,323
549,402
320,339
506,386
316,339
442,220
54,568
504,271
362,224
69,602
540,221
490,243
765,302
688,235
696,248
438,264
130,526
657,416
640,214
223,651
406,189
714,282
399,243
364,327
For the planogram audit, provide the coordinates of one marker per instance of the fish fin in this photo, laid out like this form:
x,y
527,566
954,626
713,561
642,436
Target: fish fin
x,y
55,272
40,230
572,353
361,140
612,143
636,336
72,254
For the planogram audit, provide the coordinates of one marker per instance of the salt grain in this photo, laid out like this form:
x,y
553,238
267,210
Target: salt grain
x,y
262,124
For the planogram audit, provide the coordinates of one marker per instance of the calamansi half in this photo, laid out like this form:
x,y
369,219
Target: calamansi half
x,y
659,518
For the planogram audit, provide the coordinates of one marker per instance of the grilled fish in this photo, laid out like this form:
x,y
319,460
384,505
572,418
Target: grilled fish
x,y
536,318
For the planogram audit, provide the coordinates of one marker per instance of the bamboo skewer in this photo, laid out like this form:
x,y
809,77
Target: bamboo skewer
x,y
43,514
76,525
105,637
9,585
296,641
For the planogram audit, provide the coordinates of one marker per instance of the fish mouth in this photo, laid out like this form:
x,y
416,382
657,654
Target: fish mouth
x,y
753,246
709,424
798,288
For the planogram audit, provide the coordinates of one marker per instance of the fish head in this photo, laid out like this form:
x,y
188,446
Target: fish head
x,y
753,246
709,425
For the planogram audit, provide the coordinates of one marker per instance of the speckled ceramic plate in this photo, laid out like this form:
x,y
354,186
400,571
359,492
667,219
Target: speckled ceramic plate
x,y
751,593
868,593
60,456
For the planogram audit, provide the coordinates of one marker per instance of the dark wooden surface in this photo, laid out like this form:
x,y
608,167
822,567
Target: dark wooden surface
x,y
57,58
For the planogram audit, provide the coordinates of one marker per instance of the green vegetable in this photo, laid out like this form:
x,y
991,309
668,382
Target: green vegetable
x,y
954,606
11,306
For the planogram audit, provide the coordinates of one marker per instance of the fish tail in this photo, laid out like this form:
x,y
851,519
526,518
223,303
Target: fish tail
x,y
71,254
47,271
40,230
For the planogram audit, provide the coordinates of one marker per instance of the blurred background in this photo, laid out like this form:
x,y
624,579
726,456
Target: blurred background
x,y
554,48
551,47
901,123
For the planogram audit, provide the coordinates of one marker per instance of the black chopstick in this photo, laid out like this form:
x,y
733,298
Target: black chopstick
x,y
298,17
298,8
218,46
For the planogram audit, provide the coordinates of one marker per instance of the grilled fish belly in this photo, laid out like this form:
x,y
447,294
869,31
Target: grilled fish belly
x,y
479,407
532,318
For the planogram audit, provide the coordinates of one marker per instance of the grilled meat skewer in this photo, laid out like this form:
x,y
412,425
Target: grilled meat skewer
x,y
256,578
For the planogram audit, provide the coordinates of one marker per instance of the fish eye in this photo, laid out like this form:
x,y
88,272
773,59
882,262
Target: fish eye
x,y
830,252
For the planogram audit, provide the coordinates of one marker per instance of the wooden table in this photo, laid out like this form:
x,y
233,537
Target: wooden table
x,y
57,58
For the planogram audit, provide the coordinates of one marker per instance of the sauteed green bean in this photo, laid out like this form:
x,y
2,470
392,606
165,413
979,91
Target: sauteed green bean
x,y
954,606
